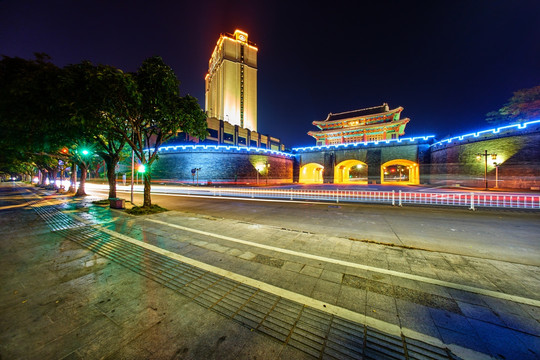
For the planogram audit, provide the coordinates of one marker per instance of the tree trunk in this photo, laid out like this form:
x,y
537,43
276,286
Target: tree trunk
x,y
73,182
80,190
147,199
53,173
43,177
111,176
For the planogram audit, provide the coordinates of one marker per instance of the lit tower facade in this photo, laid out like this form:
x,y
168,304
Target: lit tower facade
x,y
231,82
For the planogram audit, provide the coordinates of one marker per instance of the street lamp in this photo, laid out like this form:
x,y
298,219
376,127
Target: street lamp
x,y
195,172
63,151
61,165
259,168
400,170
132,170
496,164
267,166
485,155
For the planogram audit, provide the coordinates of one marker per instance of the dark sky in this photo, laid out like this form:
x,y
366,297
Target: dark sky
x,y
447,63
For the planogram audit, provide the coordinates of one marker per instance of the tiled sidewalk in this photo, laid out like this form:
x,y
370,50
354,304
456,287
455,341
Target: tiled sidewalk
x,y
401,287
59,300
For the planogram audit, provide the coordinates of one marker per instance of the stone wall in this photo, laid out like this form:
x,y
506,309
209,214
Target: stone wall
x,y
454,163
227,166
373,155
518,156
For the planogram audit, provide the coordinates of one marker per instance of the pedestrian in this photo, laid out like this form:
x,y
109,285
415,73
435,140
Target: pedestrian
x,y
124,179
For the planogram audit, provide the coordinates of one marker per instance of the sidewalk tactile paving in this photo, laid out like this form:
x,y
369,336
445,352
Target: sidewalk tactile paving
x,y
317,333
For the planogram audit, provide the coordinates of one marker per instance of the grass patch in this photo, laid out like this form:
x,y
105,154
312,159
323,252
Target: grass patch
x,y
101,202
154,209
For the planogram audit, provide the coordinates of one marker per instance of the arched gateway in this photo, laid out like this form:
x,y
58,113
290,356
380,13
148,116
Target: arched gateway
x,y
351,172
311,174
365,163
400,171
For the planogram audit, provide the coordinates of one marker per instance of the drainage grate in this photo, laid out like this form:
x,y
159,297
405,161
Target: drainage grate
x,y
314,332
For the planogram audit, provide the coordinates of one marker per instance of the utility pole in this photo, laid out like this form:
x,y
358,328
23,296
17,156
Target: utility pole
x,y
485,155
132,169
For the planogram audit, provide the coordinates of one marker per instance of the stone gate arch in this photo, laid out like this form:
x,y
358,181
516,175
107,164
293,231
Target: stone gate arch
x,y
400,171
351,172
311,173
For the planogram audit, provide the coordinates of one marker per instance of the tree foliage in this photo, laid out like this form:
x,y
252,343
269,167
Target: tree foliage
x,y
44,109
159,115
33,113
523,106
101,99
33,108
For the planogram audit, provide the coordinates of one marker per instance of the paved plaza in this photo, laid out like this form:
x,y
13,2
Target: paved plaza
x,y
80,280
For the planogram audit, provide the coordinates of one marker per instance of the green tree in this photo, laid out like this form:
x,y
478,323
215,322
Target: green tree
x,y
160,115
82,155
11,164
523,106
102,97
33,112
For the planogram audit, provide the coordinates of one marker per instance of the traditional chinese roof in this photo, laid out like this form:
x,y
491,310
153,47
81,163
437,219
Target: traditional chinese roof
x,y
367,116
358,113
398,126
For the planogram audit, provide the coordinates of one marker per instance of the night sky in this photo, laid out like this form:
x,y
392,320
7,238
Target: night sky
x,y
447,63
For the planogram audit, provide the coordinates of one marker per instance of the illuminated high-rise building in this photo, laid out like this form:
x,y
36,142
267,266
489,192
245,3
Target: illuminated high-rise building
x,y
231,82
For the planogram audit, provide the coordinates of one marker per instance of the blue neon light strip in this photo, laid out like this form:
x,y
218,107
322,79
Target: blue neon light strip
x,y
358,144
223,147
484,132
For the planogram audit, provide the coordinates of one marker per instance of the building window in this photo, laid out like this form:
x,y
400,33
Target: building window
x,y
228,137
242,90
253,143
213,133
241,140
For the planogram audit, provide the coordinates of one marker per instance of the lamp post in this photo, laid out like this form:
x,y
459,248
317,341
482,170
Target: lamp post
x,y
61,164
496,174
485,155
260,168
195,172
132,169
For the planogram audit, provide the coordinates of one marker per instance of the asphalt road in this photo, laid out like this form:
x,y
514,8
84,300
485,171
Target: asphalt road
x,y
506,235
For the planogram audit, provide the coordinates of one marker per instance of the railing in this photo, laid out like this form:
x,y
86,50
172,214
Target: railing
x,y
399,198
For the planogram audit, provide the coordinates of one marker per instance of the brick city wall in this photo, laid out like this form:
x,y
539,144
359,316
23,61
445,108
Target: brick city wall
x,y
454,163
373,156
518,156
223,166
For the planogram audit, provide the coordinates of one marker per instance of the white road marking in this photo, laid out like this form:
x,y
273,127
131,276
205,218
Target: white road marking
x,y
495,294
287,294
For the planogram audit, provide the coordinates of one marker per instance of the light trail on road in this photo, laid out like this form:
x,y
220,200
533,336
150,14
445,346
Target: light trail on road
x,y
454,199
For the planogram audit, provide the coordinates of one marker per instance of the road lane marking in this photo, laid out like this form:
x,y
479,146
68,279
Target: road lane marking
x,y
287,294
472,289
